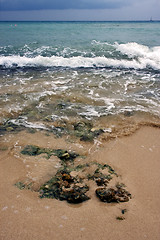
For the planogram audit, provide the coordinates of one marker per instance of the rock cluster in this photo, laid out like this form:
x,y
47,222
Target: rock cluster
x,y
65,187
70,183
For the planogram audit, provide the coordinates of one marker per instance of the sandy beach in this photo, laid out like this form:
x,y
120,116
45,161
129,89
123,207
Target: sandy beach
x,y
23,215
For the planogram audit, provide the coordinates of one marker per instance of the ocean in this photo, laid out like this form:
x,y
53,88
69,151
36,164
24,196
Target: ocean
x,y
54,74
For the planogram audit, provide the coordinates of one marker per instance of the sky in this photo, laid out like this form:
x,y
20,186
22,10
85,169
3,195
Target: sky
x,y
79,10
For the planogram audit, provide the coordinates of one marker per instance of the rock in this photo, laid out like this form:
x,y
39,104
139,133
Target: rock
x,y
8,126
120,218
77,194
124,211
65,187
81,126
86,132
48,118
65,155
87,137
101,181
113,194
9,129
31,150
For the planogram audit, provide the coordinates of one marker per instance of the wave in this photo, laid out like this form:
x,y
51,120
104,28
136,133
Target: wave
x,y
130,56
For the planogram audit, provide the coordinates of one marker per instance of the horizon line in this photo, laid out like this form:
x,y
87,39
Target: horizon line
x,y
80,20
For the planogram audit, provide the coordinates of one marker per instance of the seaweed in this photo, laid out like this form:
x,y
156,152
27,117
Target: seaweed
x,y
22,185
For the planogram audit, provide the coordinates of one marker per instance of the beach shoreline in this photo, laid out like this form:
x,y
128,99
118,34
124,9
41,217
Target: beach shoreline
x,y
25,216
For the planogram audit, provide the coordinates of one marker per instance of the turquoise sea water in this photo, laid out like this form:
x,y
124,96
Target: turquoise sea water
x,y
93,70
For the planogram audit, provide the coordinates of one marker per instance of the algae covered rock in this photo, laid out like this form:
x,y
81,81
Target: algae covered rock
x,y
70,183
86,132
101,178
64,187
31,150
65,155
113,194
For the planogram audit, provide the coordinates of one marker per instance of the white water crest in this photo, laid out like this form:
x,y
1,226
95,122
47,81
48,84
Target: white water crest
x,y
138,57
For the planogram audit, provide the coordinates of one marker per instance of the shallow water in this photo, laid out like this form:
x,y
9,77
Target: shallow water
x,y
74,72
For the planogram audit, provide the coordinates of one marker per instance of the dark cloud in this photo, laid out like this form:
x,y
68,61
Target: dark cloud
x,y
18,5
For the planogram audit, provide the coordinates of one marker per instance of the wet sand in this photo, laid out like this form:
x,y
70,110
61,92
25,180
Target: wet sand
x,y
23,215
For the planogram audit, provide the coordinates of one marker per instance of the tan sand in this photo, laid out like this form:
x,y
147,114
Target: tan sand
x,y
24,216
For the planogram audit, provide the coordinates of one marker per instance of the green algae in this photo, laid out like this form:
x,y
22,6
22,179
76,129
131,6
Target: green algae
x,y
3,148
64,155
22,185
32,150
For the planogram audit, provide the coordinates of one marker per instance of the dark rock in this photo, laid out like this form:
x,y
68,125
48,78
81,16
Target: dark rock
x,y
101,181
81,126
120,218
77,194
65,155
113,194
62,105
8,126
124,211
64,187
86,132
128,113
87,137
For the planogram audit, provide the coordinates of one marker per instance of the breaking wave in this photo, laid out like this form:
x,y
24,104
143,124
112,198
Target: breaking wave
x,y
129,56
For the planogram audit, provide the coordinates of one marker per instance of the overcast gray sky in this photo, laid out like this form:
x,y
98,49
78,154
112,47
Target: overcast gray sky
x,y
72,10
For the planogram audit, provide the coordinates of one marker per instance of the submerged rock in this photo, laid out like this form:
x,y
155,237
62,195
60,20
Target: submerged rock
x,y
8,126
114,194
64,155
81,126
86,132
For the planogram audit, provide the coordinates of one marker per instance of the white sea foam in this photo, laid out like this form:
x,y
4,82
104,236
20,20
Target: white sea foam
x,y
140,57
23,122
